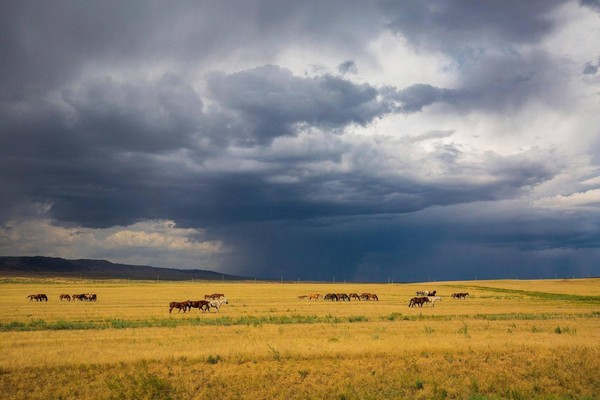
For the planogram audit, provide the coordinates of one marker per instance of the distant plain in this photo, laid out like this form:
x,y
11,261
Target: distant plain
x,y
508,339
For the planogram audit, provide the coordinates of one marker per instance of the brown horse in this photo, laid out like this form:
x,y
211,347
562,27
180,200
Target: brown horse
x,y
315,296
180,305
418,301
331,296
203,305
343,297
38,297
65,297
460,295
354,296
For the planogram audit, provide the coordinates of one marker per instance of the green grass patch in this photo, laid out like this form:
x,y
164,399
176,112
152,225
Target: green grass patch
x,y
542,295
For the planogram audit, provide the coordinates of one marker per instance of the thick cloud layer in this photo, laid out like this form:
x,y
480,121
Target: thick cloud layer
x,y
361,141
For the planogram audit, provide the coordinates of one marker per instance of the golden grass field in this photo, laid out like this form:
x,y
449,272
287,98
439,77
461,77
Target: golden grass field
x,y
510,339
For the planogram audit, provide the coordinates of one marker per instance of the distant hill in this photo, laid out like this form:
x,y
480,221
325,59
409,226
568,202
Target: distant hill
x,y
50,267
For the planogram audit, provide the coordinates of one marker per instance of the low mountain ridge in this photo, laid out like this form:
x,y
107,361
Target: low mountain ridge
x,y
53,267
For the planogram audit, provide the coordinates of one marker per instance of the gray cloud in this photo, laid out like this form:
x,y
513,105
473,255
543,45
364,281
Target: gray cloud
x,y
593,4
348,67
273,100
456,24
112,114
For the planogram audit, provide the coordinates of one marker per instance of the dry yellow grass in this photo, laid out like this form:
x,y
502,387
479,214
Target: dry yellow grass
x,y
510,339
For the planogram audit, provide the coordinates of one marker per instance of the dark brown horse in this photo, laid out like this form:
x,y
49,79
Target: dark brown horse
x,y
460,295
65,297
203,305
343,297
418,301
331,296
354,296
180,305
38,297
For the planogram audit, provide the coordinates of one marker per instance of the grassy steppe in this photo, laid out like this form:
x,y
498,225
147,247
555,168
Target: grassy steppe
x,y
510,339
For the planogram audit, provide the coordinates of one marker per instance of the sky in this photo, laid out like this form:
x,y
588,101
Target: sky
x,y
305,140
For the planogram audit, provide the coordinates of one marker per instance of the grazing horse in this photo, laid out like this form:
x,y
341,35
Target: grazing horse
x,y
180,305
203,305
331,296
460,295
217,304
38,297
93,297
354,296
420,293
65,297
343,297
315,296
302,297
418,301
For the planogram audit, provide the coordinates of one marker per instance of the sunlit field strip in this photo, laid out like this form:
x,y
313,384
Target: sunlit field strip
x,y
508,340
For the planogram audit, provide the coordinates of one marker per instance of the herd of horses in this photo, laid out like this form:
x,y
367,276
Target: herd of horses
x,y
80,297
339,296
428,297
215,300
62,297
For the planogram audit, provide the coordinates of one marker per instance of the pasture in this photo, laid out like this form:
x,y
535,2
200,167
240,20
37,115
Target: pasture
x,y
507,339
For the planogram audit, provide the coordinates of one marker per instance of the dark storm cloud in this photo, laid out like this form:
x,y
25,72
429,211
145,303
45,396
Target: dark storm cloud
x,y
415,97
135,116
467,243
456,24
483,38
593,4
274,100
45,45
109,116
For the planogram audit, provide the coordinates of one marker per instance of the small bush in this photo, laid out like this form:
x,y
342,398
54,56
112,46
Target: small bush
x,y
213,359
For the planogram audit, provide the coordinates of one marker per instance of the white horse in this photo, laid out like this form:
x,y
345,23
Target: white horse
x,y
432,300
217,304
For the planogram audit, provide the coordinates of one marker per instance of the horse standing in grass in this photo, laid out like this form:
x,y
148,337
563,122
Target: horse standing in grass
x,y
418,301
65,297
432,300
